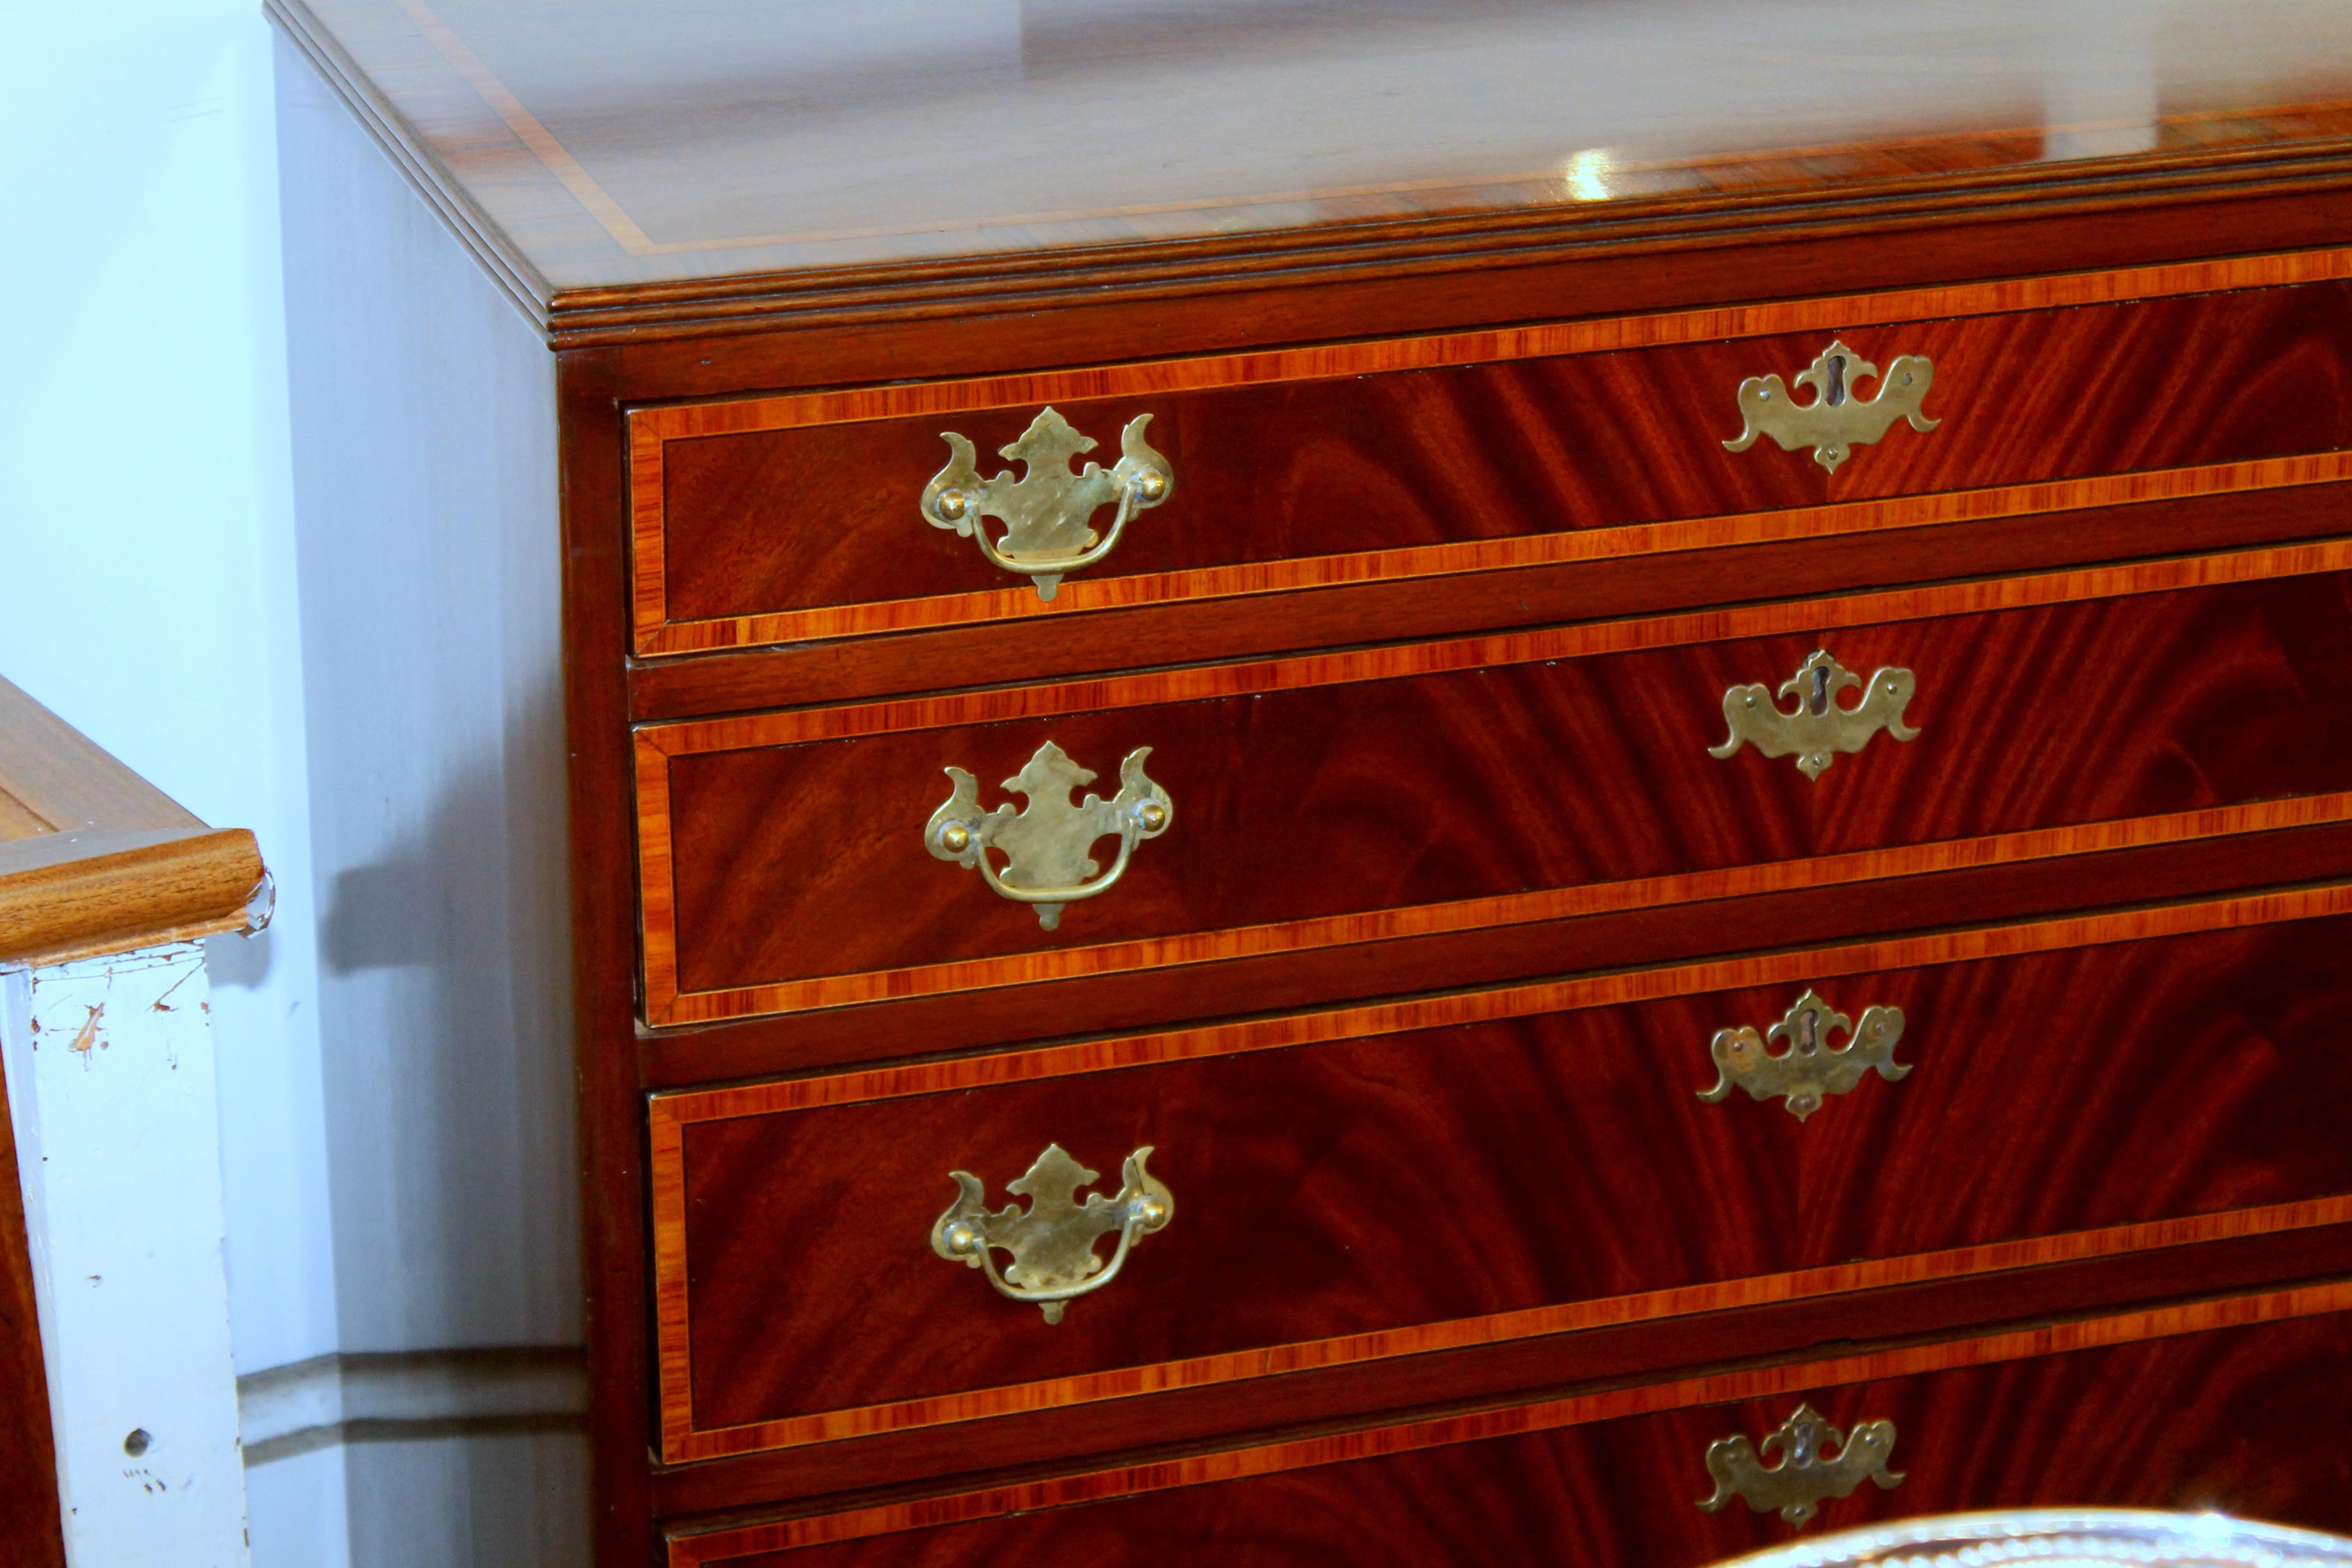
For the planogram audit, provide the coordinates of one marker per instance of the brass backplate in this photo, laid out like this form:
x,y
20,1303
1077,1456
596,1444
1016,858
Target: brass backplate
x,y
1048,511
1051,1241
1048,843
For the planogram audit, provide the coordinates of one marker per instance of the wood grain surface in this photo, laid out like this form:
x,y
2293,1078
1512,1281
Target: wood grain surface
x,y
1823,223
55,779
1318,802
95,859
613,1232
1467,1127
32,1531
2015,878
611,220
2217,1403
783,519
1861,546
1119,1433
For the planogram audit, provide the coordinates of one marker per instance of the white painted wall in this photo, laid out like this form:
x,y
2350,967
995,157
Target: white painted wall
x,y
395,1119
424,448
425,481
146,515
146,518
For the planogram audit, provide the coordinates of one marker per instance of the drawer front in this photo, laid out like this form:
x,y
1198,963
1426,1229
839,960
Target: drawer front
x,y
801,517
787,864
1487,1166
2159,1409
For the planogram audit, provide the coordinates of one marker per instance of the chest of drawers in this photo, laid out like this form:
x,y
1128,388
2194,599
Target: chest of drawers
x,y
1346,851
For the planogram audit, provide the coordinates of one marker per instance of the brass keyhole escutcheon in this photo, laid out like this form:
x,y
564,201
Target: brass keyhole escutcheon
x,y
1817,729
1813,1462
1811,1070
1835,421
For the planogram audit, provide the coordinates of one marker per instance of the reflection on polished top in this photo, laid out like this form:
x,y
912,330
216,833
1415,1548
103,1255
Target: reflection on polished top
x,y
2064,1537
611,142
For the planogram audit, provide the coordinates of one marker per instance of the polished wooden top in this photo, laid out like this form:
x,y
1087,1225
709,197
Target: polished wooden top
x,y
95,859
625,143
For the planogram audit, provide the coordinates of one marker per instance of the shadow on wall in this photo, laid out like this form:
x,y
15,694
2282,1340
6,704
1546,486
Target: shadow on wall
x,y
447,1065
239,961
422,411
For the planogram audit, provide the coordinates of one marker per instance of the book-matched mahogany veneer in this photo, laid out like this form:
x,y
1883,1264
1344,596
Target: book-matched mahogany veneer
x,y
1463,1195
2206,1406
796,518
1356,797
1486,1166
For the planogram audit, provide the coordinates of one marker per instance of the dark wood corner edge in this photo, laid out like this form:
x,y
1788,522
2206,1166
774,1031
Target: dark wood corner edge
x,y
611,1148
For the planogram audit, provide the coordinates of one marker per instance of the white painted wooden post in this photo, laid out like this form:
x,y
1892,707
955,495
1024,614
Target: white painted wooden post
x,y
109,1070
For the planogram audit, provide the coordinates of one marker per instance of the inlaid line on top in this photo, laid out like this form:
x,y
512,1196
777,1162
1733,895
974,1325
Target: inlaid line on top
x,y
670,1114
1548,185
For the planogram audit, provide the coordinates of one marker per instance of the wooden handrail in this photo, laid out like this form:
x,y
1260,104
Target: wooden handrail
x,y
95,859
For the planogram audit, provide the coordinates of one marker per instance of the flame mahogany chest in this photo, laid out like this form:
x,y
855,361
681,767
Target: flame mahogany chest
x,y
1554,784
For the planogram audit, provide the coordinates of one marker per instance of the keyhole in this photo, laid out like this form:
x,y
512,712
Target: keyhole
x,y
1836,393
1801,1450
1807,1032
1819,702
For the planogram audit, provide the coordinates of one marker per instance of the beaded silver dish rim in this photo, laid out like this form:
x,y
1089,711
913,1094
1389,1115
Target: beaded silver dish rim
x,y
2064,1537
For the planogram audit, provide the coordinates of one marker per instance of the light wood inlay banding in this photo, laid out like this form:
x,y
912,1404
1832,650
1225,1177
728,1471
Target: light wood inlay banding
x,y
666,1005
650,428
670,1114
2059,1339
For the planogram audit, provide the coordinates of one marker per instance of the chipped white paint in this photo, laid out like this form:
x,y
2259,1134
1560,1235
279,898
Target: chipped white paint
x,y
109,1071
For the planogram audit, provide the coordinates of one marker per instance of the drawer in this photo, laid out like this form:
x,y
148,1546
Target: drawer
x,y
787,519
1488,1166
791,861
2230,1405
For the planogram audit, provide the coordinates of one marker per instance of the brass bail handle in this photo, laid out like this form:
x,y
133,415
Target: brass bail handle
x,y
1048,513
1807,1473
1053,1240
1048,843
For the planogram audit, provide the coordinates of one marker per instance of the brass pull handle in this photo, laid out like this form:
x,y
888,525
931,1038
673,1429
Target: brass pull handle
x,y
1835,421
1805,1473
1048,513
1045,843
1810,1068
1818,726
1053,1241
